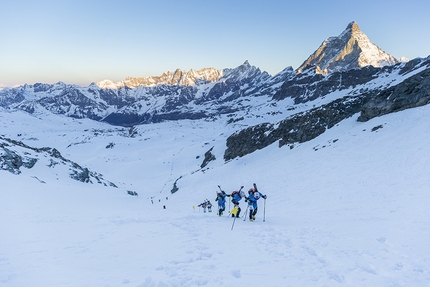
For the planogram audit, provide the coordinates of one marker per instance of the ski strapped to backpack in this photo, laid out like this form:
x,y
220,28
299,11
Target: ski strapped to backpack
x,y
264,197
238,192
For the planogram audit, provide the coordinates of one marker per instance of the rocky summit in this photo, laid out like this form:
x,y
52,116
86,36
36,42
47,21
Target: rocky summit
x,y
350,50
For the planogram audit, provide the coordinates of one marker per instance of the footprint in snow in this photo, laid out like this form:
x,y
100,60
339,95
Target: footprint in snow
x,y
236,273
381,239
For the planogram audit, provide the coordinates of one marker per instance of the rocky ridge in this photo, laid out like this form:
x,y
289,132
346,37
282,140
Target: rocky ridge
x,y
178,77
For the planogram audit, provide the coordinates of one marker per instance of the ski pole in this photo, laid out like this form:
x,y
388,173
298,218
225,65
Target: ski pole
x,y
233,223
244,215
264,211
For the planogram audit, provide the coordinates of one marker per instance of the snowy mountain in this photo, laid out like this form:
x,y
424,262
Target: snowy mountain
x,y
176,96
350,61
350,50
178,77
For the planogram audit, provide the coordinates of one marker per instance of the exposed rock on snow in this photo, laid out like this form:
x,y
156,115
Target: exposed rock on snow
x,y
209,156
411,93
299,128
15,154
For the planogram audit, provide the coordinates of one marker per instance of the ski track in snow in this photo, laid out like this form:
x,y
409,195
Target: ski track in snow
x,y
349,208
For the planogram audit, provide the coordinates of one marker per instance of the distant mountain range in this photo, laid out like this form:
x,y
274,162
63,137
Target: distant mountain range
x,y
178,77
347,75
346,65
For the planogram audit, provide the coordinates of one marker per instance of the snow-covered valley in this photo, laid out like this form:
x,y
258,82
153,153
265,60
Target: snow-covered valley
x,y
348,208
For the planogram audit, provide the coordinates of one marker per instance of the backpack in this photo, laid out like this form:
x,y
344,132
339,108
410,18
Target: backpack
x,y
236,192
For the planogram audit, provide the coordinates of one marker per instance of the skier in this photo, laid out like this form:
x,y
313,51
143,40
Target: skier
x,y
253,196
236,196
203,205
209,205
220,197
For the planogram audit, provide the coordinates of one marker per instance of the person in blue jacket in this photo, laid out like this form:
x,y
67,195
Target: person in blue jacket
x,y
236,196
220,197
253,196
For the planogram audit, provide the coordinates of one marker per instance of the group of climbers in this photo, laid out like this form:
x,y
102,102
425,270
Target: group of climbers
x,y
236,196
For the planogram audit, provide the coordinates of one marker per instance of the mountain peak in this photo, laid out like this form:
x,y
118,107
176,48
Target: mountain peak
x,y
351,31
353,27
350,50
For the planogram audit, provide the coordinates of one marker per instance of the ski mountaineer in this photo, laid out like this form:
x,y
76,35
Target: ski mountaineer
x,y
209,205
253,196
204,204
236,196
220,197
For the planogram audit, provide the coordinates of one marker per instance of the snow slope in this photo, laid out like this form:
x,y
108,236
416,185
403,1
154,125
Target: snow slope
x,y
349,208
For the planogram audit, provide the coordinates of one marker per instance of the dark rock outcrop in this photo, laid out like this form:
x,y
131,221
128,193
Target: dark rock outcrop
x,y
299,128
12,162
209,156
411,93
309,85
15,154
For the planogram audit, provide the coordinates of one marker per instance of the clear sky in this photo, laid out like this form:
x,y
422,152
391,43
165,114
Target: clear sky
x,y
84,41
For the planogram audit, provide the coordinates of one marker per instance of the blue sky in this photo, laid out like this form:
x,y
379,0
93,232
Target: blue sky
x,y
84,41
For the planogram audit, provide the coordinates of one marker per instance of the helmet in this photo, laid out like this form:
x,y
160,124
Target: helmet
x,y
250,190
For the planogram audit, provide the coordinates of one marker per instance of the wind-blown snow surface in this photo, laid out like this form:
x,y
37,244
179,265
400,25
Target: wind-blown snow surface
x,y
349,208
